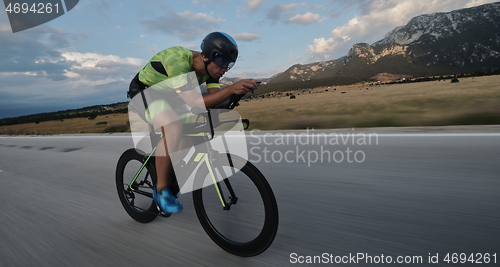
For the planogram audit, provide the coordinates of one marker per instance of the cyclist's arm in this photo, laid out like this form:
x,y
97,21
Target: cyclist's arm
x,y
216,96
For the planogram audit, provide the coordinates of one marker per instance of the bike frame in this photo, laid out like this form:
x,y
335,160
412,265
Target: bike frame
x,y
202,155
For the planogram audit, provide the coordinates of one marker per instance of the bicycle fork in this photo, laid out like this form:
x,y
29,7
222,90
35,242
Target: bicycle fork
x,y
133,182
217,183
217,178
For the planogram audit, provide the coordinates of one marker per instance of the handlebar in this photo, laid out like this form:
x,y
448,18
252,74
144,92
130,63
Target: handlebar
x,y
213,121
234,101
230,104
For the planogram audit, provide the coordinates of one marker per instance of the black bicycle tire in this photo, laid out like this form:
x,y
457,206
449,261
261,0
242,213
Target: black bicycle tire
x,y
271,221
142,216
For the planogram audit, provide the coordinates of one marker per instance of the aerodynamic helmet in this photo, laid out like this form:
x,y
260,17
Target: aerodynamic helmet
x,y
220,48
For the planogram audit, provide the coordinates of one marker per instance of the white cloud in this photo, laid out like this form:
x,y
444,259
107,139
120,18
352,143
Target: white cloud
x,y
289,14
97,69
392,13
377,17
252,5
202,2
322,48
195,47
292,58
277,11
186,26
152,49
92,60
306,19
5,28
256,74
35,52
246,37
63,79
474,3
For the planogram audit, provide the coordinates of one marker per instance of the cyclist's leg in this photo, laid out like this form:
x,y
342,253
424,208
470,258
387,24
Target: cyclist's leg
x,y
171,136
166,120
172,140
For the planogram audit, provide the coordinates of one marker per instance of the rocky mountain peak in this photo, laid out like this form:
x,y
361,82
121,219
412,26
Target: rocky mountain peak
x,y
442,25
459,41
371,55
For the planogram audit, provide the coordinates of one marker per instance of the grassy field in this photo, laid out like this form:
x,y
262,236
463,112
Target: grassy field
x,y
472,101
101,124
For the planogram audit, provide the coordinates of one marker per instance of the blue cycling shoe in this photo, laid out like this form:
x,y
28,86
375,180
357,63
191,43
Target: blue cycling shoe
x,y
166,201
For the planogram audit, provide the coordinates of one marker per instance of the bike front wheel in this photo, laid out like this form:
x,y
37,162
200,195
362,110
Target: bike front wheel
x,y
249,225
134,183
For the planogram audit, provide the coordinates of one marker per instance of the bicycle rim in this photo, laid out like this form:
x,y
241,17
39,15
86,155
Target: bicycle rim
x,y
136,194
248,228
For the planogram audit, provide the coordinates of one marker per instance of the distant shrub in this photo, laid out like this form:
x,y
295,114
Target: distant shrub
x,y
292,97
117,128
454,80
481,118
101,123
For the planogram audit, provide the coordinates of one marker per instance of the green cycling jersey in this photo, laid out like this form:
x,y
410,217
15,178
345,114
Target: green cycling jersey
x,y
172,62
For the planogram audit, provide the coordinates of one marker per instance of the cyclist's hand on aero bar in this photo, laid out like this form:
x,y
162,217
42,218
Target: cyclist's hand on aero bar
x,y
244,86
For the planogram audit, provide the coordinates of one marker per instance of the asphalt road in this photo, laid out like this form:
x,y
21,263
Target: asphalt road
x,y
417,195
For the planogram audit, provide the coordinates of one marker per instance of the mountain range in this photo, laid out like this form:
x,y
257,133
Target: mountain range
x,y
459,41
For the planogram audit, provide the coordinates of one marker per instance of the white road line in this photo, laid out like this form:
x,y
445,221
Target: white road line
x,y
284,134
387,135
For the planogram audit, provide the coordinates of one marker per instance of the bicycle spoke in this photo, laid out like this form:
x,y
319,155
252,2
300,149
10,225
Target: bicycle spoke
x,y
135,187
249,224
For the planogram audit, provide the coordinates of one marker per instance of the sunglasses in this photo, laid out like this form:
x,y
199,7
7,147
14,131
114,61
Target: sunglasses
x,y
222,61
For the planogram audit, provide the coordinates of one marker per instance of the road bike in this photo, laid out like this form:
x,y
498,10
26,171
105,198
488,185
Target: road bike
x,y
239,213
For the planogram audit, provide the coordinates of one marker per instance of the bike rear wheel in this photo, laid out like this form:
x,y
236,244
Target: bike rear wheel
x,y
136,194
250,225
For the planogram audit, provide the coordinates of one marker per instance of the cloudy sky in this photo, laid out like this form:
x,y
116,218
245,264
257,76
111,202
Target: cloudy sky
x,y
89,55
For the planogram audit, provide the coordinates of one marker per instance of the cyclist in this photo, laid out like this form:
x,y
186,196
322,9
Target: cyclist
x,y
219,52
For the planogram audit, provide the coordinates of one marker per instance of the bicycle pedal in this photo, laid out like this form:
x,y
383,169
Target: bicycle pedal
x,y
162,213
